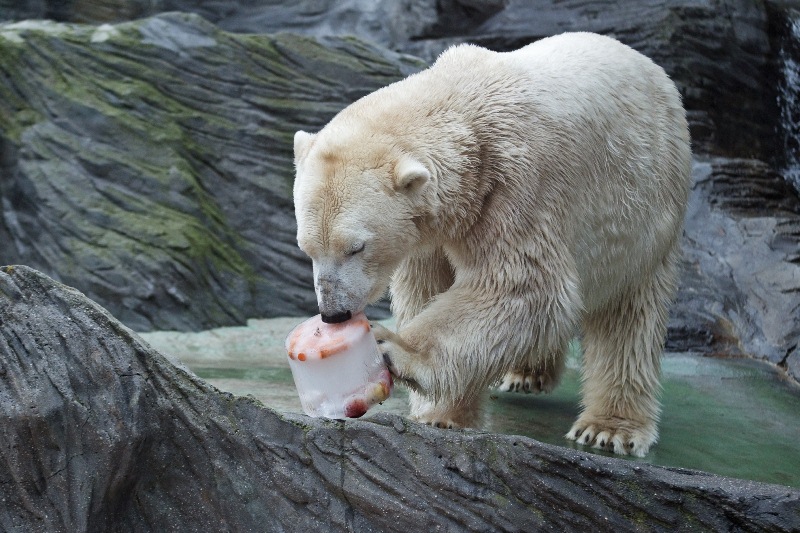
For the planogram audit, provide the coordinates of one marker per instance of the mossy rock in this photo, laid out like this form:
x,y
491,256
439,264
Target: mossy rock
x,y
149,163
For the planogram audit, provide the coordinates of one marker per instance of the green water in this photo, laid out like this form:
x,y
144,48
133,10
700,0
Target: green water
x,y
737,418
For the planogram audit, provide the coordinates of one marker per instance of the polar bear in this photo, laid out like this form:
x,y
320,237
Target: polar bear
x,y
509,201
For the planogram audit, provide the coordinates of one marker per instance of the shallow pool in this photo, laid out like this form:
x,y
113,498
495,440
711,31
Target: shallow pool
x,y
734,417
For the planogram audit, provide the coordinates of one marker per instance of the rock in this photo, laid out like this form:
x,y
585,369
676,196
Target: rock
x,y
740,283
101,433
720,54
149,163
786,40
388,22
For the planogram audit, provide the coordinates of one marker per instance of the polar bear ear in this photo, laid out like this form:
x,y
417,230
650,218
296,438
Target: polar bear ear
x,y
410,174
302,144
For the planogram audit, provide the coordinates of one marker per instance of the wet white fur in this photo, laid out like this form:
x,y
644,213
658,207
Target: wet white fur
x,y
512,200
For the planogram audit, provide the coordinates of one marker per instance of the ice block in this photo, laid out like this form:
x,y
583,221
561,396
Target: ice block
x,y
337,368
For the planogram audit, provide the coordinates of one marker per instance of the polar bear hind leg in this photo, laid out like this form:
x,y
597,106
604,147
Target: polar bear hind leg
x,y
541,377
623,344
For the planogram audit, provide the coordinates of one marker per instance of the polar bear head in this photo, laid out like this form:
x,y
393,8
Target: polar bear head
x,y
359,202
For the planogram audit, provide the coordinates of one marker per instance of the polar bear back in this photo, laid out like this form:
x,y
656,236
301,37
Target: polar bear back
x,y
578,129
609,123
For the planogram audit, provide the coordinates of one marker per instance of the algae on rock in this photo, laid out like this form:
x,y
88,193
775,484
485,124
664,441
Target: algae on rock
x,y
149,163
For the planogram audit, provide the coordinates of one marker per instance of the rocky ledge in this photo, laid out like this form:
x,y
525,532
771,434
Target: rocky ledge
x,y
101,433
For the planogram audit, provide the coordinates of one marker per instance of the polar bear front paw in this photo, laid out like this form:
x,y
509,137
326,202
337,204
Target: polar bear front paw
x,y
399,357
623,437
463,414
432,419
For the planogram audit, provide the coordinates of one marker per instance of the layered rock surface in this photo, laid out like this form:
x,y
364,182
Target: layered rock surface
x,y
101,433
739,290
150,163
720,54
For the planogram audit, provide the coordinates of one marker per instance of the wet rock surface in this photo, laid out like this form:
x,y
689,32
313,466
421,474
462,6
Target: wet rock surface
x,y
101,433
739,289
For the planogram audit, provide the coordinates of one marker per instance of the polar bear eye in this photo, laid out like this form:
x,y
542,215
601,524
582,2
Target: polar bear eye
x,y
357,248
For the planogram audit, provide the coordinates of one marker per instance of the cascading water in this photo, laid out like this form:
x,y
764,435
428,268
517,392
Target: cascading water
x,y
789,97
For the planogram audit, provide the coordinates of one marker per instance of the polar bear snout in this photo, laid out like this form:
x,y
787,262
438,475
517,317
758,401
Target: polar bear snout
x,y
342,290
332,308
336,318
